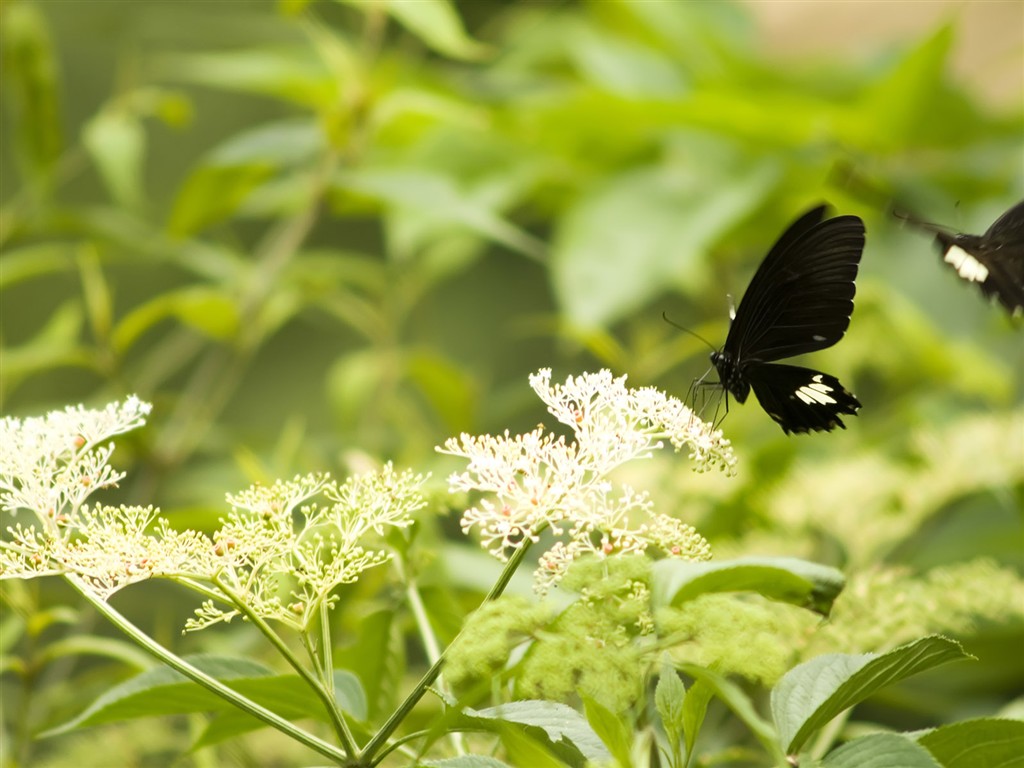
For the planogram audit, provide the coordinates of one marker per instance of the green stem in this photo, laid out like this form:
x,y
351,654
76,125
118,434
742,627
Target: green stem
x,y
398,716
324,693
201,678
433,650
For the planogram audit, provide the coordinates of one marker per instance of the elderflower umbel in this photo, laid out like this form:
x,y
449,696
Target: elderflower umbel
x,y
49,466
538,480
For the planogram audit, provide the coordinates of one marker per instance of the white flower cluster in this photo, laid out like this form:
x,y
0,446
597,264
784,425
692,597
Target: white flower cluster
x,y
537,480
49,466
261,554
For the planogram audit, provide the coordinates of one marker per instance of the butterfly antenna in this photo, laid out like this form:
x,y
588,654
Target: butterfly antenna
x,y
665,317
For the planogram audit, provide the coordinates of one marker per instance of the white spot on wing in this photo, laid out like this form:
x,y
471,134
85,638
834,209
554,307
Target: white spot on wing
x,y
816,337
968,267
815,392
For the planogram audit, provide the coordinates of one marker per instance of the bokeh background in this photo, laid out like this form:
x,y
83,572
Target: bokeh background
x,y
320,235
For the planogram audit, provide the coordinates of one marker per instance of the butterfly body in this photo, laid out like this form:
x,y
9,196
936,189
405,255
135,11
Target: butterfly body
x,y
993,261
799,300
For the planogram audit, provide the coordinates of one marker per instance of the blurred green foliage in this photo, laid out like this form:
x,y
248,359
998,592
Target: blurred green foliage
x,y
318,235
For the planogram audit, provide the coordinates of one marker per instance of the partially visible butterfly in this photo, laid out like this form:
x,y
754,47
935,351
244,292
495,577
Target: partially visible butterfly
x,y
799,300
994,260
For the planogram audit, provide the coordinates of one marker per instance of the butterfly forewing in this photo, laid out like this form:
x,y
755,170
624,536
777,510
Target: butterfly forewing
x,y
1008,229
801,297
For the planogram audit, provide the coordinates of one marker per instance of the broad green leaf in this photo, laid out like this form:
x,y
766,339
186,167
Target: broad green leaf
x,y
787,579
882,750
438,198
29,71
611,729
207,310
116,141
435,22
736,700
162,691
642,232
295,75
989,742
563,726
811,694
233,723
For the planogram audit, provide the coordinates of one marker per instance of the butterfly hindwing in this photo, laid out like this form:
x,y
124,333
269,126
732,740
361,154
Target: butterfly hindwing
x,y
800,399
801,297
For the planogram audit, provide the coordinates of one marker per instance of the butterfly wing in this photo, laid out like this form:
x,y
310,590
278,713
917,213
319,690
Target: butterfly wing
x,y
800,399
801,297
995,260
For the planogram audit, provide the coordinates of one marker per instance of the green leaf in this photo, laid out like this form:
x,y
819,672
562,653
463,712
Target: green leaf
x,y
116,142
811,694
901,109
205,309
669,698
92,645
212,193
297,75
642,232
611,728
435,22
787,579
564,728
437,197
36,260
736,700
55,345
882,750
695,707
162,691
233,723
989,741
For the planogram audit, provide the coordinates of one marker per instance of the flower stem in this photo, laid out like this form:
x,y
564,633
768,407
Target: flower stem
x,y
201,678
398,716
324,690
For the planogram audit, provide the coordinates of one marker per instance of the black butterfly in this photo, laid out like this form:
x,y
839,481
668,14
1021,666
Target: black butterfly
x,y
799,300
995,260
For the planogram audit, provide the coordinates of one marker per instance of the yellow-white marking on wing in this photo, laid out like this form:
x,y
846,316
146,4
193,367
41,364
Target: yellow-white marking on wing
x,y
968,267
815,392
